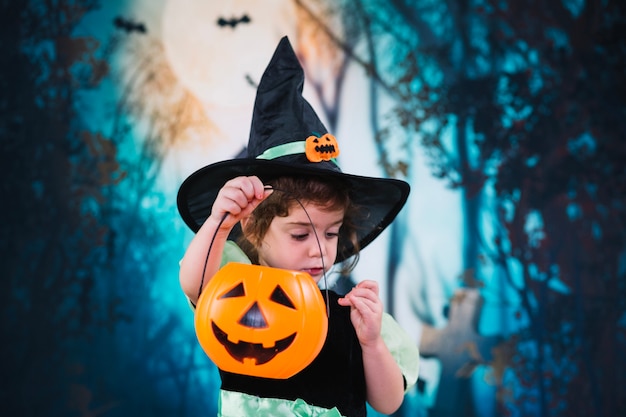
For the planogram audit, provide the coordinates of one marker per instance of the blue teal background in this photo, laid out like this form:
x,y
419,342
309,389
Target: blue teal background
x,y
507,266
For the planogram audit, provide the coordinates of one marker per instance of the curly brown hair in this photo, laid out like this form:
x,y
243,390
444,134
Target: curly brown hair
x,y
293,191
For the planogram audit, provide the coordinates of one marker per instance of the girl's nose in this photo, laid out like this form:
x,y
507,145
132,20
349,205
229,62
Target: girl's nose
x,y
318,249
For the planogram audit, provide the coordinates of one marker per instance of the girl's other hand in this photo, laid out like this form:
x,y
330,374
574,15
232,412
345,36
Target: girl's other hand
x,y
366,311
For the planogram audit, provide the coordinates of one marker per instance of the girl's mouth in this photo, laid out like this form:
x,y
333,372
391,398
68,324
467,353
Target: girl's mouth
x,y
314,271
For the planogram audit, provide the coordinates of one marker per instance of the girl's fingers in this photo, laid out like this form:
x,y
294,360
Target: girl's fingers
x,y
369,285
366,306
241,195
368,291
365,303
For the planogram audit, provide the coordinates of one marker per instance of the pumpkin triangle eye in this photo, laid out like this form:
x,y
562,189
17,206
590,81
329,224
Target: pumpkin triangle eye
x,y
279,296
236,291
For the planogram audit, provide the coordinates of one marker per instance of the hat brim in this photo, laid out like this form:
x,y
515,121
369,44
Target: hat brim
x,y
381,198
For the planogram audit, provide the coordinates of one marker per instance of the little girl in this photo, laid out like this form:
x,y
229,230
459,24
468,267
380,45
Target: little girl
x,y
289,206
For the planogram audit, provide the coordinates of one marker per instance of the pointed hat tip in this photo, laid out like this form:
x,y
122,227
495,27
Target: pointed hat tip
x,y
283,65
285,51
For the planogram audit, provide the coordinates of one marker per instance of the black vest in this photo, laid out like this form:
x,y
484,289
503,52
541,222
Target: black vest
x,y
335,378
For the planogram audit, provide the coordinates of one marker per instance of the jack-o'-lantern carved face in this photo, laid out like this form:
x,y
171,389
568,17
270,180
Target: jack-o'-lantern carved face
x,y
261,321
322,148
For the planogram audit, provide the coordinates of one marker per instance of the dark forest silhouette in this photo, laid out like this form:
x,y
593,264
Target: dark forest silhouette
x,y
534,95
85,335
535,92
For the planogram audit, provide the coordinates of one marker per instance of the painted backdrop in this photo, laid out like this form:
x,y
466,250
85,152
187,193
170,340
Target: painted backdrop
x,y
507,266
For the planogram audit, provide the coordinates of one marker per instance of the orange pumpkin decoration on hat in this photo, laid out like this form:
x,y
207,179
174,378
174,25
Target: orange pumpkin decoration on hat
x,y
324,148
261,321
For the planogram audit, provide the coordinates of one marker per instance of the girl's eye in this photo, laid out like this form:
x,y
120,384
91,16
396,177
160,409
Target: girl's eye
x,y
332,235
299,237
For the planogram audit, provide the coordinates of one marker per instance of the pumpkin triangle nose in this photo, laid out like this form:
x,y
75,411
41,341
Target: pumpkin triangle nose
x,y
253,318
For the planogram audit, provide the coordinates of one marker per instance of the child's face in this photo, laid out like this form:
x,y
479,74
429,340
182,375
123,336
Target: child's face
x,y
291,243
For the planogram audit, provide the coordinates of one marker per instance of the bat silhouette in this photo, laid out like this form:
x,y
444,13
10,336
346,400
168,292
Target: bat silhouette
x,y
232,22
128,25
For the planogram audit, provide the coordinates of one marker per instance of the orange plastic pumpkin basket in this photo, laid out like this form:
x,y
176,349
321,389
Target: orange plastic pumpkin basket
x,y
261,321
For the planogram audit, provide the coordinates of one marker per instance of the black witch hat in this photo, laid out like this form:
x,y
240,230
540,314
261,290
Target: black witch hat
x,y
288,139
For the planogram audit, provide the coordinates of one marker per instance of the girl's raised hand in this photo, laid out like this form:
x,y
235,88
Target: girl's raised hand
x,y
238,197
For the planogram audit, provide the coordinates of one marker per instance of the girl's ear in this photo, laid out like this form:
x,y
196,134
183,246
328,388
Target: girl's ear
x,y
245,222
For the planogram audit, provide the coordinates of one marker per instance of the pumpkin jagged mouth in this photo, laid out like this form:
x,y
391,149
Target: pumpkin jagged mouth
x,y
256,351
325,149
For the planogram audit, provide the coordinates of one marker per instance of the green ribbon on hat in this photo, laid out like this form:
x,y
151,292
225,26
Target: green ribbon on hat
x,y
289,148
